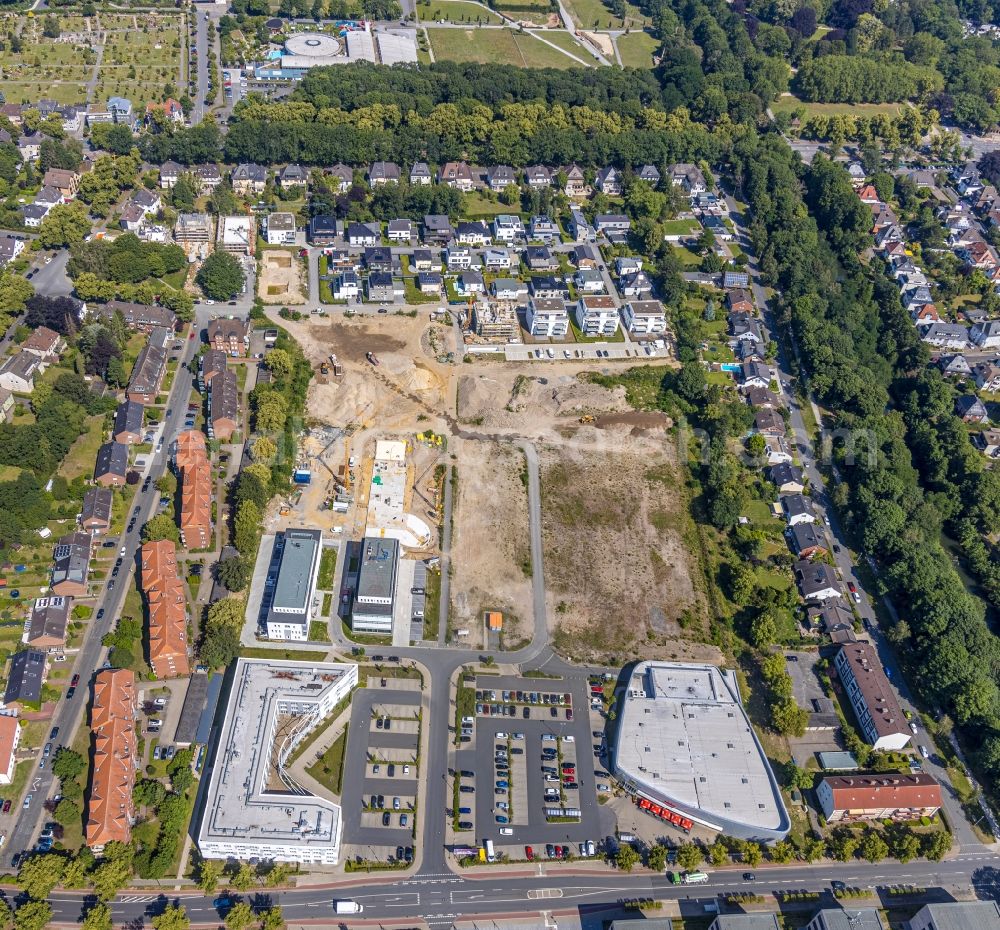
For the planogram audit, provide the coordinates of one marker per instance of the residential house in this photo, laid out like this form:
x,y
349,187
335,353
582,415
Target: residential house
x,y
923,314
788,479
868,194
71,565
732,279
132,218
456,174
474,233
46,343
249,179
985,335
987,377
586,257
127,429
96,511
744,328
47,622
383,172
816,580
596,316
10,248
437,228
170,173
547,286
875,705
32,214
10,739
988,442
543,228
835,620
798,509
364,234
509,289
400,230
769,423
612,222
589,281
423,260
497,260
223,406
609,181
170,108
644,317
776,451
420,174
547,318
292,176
739,301
110,807
383,288
29,146
649,174
280,229
213,362
756,374
111,465
24,681
341,178
954,365
579,228
346,286
470,284
143,318
430,282
688,177
538,176
971,409
638,285
379,258
64,180
507,227
228,335
166,605
195,472
322,230
952,336
885,796
147,201
540,258
763,399
500,177
458,257
17,373
148,372
576,182
6,405
807,540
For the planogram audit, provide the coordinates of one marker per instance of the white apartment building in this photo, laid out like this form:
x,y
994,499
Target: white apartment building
x,y
547,318
281,229
597,316
644,317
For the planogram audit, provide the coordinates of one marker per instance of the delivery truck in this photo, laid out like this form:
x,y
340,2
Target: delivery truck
x,y
347,907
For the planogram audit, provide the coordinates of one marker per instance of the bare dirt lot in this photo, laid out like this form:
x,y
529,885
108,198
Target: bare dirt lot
x,y
280,278
491,558
618,569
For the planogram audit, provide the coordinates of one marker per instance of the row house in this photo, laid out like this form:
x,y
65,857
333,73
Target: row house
x,y
166,607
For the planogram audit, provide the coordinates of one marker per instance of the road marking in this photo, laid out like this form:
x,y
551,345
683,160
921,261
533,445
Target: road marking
x,y
535,893
137,898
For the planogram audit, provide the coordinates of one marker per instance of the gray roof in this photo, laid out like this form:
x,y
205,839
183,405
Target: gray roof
x,y
377,575
112,459
224,397
71,559
128,417
746,922
147,372
49,617
814,577
806,536
194,704
25,682
782,473
963,915
852,918
292,590
97,504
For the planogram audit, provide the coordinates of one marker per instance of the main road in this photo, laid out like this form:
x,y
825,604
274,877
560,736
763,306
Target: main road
x,y
443,897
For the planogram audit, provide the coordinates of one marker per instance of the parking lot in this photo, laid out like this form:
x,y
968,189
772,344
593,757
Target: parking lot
x,y
380,774
527,772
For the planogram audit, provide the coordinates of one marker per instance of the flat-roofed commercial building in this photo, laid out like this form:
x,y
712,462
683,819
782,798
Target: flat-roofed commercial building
x,y
251,808
298,567
957,915
375,599
685,748
110,810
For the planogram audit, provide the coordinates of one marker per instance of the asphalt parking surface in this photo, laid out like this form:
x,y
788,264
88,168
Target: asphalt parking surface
x,y
527,820
363,828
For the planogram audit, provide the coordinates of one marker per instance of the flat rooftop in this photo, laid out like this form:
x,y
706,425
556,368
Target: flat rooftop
x,y
298,556
684,737
377,575
242,804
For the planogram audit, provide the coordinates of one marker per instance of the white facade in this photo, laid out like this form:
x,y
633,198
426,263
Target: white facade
x,y
281,229
597,316
547,318
644,317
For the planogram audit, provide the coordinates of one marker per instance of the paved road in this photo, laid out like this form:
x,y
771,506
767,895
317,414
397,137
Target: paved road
x,y
50,280
91,655
843,559
444,599
541,629
440,897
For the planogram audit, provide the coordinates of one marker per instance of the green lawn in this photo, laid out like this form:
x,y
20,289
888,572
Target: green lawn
x,y
790,103
536,54
681,227
587,13
456,11
568,44
636,49
329,768
476,204
495,46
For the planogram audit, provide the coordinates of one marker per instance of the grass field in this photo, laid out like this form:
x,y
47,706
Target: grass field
x,y
456,11
593,14
495,46
791,103
636,49
567,43
140,58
